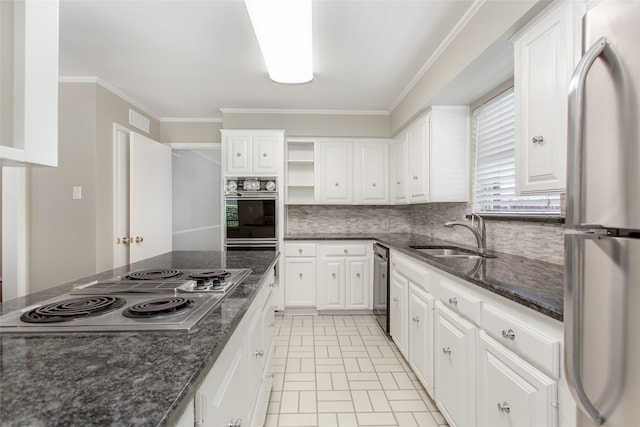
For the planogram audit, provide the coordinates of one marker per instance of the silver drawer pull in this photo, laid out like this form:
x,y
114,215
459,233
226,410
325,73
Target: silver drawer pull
x,y
264,154
395,300
453,301
300,251
346,251
259,353
504,407
301,275
537,139
238,154
508,334
416,319
358,275
236,423
373,185
333,275
446,350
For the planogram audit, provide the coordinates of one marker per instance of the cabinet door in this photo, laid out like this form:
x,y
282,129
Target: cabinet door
x,y
336,163
223,394
401,171
358,284
332,284
238,155
421,335
372,171
255,351
419,161
544,60
265,155
455,367
300,283
398,311
510,391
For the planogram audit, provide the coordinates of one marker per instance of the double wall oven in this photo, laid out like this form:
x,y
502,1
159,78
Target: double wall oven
x,y
251,217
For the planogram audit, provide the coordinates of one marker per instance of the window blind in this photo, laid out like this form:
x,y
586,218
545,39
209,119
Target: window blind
x,y
493,133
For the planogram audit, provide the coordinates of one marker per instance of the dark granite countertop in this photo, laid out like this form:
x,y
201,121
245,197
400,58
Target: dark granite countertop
x,y
119,379
532,283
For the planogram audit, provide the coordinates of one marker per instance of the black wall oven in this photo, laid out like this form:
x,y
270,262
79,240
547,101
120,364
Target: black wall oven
x,y
251,217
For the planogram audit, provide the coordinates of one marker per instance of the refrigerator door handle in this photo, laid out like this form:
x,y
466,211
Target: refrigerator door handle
x,y
573,290
575,203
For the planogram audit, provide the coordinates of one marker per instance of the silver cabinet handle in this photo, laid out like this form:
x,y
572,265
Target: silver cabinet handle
x,y
272,324
453,301
259,353
416,319
373,185
264,154
333,275
395,300
300,251
508,334
236,423
358,275
537,139
575,207
301,275
446,350
346,251
238,154
504,407
337,184
398,182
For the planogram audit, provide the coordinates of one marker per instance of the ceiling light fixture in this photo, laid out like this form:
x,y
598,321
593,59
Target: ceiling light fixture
x,y
283,30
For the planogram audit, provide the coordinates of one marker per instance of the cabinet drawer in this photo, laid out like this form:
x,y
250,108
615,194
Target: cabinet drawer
x,y
460,302
299,250
345,250
528,343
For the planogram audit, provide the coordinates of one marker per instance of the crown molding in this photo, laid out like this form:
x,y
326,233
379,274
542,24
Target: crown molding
x,y
291,111
107,86
191,120
441,48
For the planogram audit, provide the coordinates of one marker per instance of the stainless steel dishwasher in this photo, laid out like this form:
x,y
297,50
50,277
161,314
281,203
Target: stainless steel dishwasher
x,y
381,286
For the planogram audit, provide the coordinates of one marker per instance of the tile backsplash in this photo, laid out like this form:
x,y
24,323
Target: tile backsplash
x,y
538,240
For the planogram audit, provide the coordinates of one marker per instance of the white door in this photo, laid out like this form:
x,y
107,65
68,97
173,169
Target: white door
x,y
372,171
121,197
419,161
358,284
336,164
265,159
149,198
421,335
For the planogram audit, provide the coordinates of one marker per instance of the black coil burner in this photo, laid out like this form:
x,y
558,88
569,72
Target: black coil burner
x,y
74,308
158,307
153,274
212,274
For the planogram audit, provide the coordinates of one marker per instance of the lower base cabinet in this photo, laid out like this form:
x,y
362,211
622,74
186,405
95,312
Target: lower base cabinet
x,y
510,391
421,335
455,370
236,390
398,289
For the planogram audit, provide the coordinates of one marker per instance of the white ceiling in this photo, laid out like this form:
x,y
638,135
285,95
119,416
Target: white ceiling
x,y
188,59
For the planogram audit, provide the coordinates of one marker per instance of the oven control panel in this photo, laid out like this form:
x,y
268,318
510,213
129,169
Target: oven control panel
x,y
250,184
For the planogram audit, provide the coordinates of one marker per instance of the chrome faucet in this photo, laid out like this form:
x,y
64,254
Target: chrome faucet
x,y
479,232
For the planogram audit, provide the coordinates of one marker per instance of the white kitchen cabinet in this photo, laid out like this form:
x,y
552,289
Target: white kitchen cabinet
x,y
371,173
431,157
421,335
455,367
29,84
252,153
344,277
223,394
300,275
545,54
418,152
398,320
400,162
510,391
300,173
336,163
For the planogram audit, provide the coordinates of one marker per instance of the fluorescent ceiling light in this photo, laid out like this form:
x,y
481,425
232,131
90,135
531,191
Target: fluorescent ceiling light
x,y
283,30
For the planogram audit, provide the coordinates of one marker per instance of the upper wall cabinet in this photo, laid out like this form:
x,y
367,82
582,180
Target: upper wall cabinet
x,y
29,82
300,173
545,55
252,153
431,158
353,172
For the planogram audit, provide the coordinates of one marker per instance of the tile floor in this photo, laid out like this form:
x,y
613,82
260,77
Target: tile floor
x,y
343,371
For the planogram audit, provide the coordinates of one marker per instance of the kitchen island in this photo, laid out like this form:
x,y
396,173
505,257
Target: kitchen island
x,y
142,378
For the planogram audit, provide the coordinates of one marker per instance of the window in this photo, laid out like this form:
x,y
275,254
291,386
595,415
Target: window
x,y
493,133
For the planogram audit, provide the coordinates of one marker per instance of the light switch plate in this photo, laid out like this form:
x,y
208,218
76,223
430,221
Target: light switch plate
x,y
77,193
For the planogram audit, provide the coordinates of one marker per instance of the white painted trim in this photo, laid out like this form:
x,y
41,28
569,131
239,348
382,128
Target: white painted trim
x,y
195,145
116,156
191,120
441,48
284,111
192,230
14,232
107,86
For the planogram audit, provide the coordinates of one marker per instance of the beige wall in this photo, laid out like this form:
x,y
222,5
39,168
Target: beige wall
x,y
190,132
69,239
490,23
347,125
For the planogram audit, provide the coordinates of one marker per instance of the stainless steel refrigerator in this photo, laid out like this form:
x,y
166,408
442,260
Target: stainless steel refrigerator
x,y
602,240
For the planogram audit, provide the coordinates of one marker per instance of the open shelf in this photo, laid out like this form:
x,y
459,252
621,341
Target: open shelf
x,y
300,172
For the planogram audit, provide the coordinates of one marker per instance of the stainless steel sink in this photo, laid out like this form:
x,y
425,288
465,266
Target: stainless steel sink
x,y
449,252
